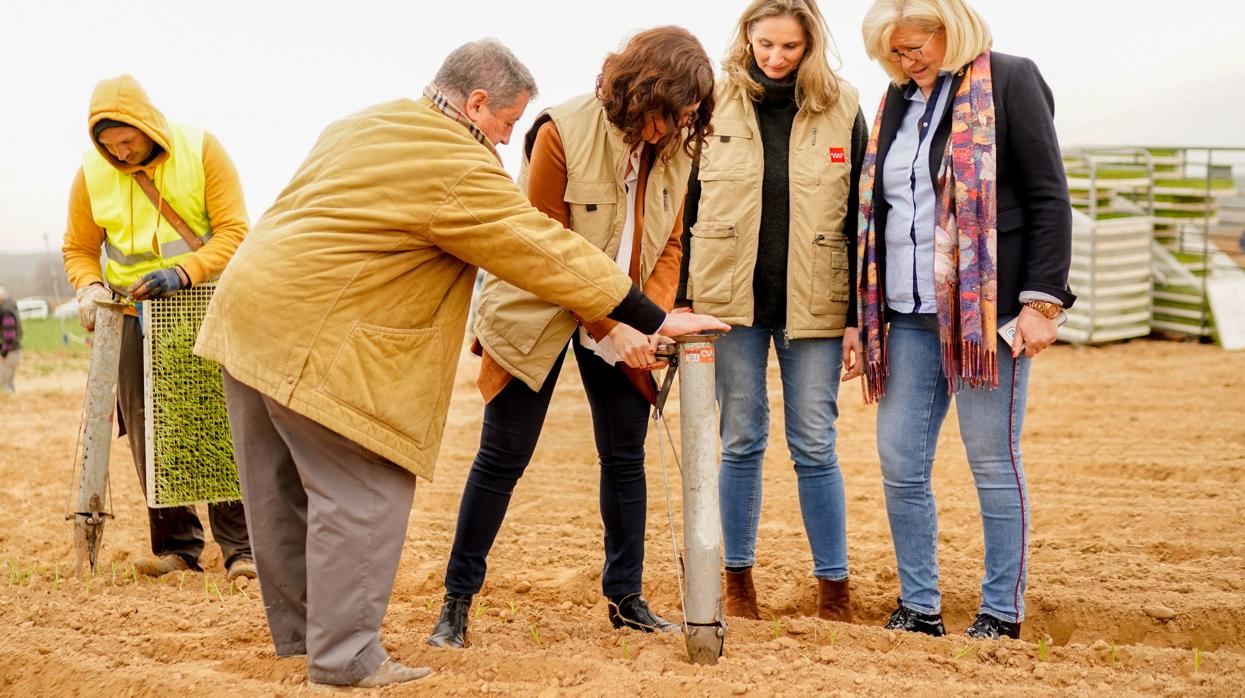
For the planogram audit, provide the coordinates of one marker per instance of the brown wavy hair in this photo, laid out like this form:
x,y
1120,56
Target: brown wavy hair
x,y
664,70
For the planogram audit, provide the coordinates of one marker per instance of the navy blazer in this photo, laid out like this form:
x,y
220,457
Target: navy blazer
x,y
1034,211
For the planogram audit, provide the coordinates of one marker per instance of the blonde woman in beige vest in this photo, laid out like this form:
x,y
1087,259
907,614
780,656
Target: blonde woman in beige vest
x,y
613,166
771,223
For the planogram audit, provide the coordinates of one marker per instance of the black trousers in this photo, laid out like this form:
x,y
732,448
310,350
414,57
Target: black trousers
x,y
173,529
512,425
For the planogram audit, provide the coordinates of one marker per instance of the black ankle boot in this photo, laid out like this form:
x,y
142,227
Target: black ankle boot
x,y
451,627
907,619
987,627
633,612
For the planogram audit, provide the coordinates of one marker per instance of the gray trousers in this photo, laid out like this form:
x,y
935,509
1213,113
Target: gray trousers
x,y
174,530
8,371
328,520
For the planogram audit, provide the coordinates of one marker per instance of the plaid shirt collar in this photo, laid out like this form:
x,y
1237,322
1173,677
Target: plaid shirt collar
x,y
440,101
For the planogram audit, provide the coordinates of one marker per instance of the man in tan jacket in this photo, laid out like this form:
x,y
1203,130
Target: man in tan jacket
x,y
340,322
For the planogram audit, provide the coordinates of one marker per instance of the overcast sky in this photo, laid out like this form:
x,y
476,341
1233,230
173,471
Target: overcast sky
x,y
267,77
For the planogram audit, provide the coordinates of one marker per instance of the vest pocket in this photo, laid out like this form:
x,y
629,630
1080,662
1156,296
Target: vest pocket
x,y
712,267
830,272
593,207
728,152
393,376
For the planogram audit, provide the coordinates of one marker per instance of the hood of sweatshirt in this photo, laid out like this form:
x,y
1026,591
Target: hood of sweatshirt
x,y
123,99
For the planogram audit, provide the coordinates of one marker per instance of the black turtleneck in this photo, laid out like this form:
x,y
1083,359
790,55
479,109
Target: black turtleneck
x,y
775,112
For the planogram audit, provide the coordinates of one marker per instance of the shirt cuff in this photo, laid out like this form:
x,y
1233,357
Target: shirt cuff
x,y
1026,296
639,312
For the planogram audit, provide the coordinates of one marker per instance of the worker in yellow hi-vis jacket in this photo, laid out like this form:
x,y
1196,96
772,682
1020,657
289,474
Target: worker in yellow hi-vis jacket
x,y
140,164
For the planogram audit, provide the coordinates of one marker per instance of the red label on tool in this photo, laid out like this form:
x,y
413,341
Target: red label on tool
x,y
703,355
838,155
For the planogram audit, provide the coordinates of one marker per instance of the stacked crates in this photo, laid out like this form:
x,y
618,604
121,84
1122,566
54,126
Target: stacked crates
x,y
1111,239
1196,217
1190,188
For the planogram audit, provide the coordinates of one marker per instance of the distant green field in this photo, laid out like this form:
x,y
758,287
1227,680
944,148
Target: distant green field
x,y
46,335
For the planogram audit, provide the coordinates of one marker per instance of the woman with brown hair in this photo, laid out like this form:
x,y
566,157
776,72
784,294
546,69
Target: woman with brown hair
x,y
772,221
612,166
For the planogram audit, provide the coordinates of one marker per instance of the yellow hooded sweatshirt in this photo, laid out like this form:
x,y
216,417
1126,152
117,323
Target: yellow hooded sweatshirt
x,y
213,204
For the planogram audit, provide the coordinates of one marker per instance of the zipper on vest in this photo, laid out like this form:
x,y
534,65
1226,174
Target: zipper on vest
x,y
665,199
786,341
816,158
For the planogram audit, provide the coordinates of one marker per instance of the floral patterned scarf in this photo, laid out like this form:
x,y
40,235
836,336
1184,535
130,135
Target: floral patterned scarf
x,y
965,237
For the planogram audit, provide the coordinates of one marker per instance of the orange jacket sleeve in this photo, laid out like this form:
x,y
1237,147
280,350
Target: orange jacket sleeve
x,y
226,210
84,240
546,175
664,281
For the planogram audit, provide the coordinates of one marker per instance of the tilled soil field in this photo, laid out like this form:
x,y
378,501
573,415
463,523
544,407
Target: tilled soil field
x,y
1135,456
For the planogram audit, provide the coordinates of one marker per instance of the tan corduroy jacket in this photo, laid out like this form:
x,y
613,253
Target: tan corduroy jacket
x,y
722,258
347,303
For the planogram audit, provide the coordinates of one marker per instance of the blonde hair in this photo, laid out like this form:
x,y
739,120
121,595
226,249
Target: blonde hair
x,y
816,84
968,35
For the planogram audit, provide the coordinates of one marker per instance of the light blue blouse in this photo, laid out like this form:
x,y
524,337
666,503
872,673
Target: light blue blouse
x,y
913,203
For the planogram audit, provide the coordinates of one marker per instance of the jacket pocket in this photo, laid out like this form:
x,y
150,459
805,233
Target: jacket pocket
x,y
830,272
395,377
1010,218
712,267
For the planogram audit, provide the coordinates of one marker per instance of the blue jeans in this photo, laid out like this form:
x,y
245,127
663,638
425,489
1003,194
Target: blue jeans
x,y
909,419
810,371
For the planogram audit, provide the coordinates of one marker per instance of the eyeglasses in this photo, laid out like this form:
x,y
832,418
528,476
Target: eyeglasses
x,y
912,54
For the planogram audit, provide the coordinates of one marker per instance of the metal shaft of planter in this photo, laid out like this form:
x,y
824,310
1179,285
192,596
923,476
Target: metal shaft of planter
x,y
702,525
95,434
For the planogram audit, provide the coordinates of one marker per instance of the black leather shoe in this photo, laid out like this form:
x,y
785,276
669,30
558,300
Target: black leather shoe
x,y
451,627
632,611
907,619
987,627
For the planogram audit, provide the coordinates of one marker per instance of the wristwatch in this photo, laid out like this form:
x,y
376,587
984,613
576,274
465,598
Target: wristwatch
x,y
1049,310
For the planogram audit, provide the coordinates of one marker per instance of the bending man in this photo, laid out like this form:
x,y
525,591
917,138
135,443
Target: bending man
x,y
340,325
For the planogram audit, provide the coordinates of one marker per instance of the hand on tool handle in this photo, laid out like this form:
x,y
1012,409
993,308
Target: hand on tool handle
x,y
160,282
88,296
640,351
637,349
682,322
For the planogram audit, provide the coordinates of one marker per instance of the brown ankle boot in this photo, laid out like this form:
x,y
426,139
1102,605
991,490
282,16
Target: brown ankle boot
x,y
834,600
741,595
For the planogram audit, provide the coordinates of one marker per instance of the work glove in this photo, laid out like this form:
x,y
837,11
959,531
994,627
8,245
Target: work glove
x,y
161,282
88,296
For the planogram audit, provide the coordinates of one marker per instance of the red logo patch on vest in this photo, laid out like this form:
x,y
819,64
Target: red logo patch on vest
x,y
838,155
